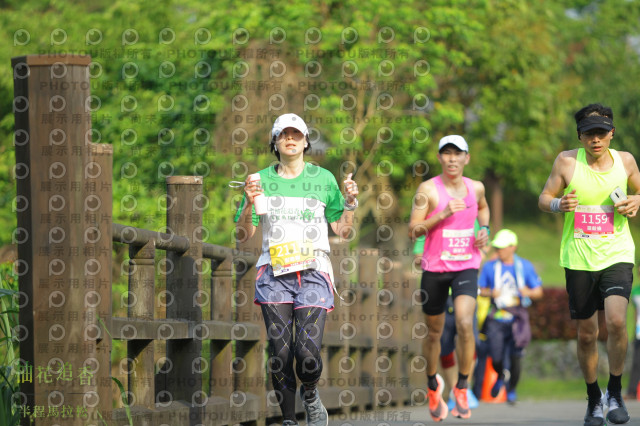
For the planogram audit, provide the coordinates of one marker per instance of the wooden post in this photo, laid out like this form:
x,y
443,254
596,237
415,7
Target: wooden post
x,y
385,334
410,347
184,283
249,397
396,309
62,345
98,239
335,346
355,393
368,279
141,306
221,377
417,364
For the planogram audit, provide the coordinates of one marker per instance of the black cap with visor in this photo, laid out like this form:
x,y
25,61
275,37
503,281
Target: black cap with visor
x,y
595,122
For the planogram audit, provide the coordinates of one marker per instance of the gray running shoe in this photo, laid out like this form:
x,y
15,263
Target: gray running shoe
x,y
595,414
289,423
316,413
617,413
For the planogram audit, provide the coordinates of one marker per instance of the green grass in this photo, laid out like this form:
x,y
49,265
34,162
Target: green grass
x,y
540,243
537,389
534,388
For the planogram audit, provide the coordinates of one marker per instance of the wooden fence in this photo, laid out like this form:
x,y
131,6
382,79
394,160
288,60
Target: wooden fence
x,y
213,371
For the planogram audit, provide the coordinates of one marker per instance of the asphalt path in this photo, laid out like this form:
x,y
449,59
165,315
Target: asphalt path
x,y
530,413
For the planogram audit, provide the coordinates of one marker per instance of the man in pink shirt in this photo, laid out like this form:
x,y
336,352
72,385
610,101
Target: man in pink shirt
x,y
445,209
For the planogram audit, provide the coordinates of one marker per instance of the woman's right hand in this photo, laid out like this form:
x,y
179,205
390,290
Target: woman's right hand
x,y
251,189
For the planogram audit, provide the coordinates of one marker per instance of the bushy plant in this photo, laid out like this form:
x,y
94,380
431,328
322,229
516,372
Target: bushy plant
x,y
550,319
9,414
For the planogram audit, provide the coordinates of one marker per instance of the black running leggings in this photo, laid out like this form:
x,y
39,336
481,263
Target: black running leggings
x,y
309,327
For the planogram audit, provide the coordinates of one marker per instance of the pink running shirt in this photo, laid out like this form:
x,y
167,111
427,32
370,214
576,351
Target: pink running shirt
x,y
449,246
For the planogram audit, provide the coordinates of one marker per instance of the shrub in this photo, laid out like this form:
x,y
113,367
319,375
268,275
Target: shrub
x,y
550,317
9,414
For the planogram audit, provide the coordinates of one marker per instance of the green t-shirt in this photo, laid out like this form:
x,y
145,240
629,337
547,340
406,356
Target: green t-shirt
x,y
298,210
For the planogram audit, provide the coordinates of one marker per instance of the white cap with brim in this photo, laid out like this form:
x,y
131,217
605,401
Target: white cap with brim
x,y
455,140
505,238
288,120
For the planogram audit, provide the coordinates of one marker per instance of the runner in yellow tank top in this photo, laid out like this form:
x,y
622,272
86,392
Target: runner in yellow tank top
x,y
597,251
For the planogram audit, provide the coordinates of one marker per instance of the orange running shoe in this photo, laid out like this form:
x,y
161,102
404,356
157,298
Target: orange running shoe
x,y
462,405
437,407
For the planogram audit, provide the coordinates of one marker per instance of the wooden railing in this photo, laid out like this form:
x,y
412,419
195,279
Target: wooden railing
x,y
213,371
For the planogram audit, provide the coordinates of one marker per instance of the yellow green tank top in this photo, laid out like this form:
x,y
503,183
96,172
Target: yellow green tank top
x,y
596,236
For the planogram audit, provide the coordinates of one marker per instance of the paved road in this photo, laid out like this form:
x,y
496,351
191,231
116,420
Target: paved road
x,y
532,413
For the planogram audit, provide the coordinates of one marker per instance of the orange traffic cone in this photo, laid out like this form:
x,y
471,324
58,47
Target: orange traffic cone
x,y
490,377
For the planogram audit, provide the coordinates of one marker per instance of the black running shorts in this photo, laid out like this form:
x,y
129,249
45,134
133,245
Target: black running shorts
x,y
588,289
434,288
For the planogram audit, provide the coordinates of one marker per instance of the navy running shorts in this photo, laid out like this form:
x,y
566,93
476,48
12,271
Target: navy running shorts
x,y
305,288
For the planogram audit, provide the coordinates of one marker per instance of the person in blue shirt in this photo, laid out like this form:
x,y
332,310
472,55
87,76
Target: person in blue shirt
x,y
512,283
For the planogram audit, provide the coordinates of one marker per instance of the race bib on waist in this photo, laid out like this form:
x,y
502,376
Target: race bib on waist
x,y
291,256
503,316
593,222
457,244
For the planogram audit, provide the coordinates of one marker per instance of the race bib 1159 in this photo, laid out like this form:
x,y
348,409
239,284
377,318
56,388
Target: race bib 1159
x,y
593,222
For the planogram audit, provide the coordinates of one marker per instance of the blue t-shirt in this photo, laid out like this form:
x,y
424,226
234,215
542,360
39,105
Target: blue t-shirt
x,y
509,294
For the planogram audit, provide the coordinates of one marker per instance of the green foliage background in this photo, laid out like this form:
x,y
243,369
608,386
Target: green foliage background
x,y
187,87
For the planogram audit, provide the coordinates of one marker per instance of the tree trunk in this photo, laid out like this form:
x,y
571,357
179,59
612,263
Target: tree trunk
x,y
496,200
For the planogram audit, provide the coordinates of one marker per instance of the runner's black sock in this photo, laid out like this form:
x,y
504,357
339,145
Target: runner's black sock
x,y
498,366
593,391
432,382
615,385
463,381
516,365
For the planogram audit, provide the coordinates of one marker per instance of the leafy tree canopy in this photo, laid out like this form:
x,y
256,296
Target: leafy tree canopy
x,y
186,87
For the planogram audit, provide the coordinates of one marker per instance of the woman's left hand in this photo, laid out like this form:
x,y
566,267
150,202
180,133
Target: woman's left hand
x,y
351,190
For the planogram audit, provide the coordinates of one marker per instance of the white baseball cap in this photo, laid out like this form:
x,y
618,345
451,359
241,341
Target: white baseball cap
x,y
455,140
288,120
